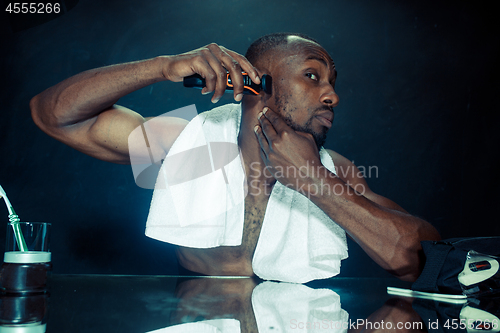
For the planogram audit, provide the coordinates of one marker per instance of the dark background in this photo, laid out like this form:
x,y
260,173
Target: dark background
x,y
418,84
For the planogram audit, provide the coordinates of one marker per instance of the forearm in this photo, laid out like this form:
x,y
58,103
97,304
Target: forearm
x,y
388,234
390,237
85,95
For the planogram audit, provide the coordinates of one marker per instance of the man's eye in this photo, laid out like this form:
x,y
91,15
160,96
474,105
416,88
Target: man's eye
x,y
312,76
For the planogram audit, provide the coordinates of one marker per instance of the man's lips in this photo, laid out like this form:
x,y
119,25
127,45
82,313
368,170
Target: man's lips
x,y
326,118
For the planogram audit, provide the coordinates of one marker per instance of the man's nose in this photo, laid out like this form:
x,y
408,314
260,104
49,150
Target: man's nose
x,y
330,97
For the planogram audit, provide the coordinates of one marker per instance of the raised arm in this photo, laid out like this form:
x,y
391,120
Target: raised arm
x,y
81,112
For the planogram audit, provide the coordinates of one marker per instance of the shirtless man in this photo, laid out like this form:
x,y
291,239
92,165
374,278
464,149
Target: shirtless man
x,y
280,130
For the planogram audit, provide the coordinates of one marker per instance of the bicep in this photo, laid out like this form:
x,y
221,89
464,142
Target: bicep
x,y
117,134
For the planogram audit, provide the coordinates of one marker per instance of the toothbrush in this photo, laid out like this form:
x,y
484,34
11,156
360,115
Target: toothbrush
x,y
14,219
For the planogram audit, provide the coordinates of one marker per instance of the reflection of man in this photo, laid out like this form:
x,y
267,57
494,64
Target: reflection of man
x,y
203,299
281,131
243,305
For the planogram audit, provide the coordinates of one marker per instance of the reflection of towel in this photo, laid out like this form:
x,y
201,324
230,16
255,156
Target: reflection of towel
x,y
298,241
206,326
285,307
281,307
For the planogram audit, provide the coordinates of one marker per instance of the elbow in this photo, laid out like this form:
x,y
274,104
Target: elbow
x,y
407,275
407,268
35,111
408,262
43,115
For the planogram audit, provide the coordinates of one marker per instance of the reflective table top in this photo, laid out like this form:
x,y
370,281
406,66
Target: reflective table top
x,y
110,303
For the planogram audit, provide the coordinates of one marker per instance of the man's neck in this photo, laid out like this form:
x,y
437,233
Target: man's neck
x,y
259,177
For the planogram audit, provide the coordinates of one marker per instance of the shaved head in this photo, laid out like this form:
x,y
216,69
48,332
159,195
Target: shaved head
x,y
261,52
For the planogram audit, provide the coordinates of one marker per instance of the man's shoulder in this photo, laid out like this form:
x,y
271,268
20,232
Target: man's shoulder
x,y
344,168
338,159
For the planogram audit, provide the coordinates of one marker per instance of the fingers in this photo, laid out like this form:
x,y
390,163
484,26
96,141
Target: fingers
x,y
216,62
245,65
242,65
216,77
264,145
235,64
271,122
233,67
265,126
270,127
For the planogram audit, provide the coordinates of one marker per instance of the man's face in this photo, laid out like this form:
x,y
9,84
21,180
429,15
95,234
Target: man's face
x,y
303,83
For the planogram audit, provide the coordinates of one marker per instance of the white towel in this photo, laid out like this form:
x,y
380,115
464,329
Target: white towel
x,y
298,241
